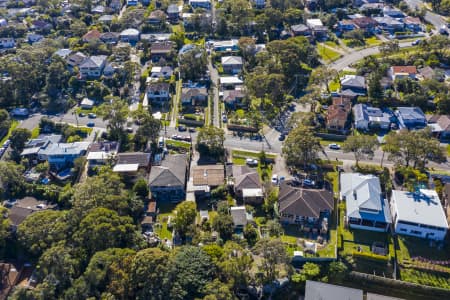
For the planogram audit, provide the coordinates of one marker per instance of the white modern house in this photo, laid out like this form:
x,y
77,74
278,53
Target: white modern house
x,y
93,66
366,208
419,214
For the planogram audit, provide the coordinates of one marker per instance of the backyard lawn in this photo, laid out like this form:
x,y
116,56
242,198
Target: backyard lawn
x,y
372,41
327,54
14,124
165,210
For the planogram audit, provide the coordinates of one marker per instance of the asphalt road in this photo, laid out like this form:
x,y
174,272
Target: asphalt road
x,y
215,89
433,18
357,55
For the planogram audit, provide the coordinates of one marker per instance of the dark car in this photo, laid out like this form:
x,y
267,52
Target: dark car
x,y
191,129
90,124
181,128
82,114
92,116
282,137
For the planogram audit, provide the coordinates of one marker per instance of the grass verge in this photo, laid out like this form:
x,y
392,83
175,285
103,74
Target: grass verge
x,y
13,126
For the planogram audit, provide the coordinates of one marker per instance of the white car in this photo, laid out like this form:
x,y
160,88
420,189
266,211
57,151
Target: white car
x,y
334,146
274,179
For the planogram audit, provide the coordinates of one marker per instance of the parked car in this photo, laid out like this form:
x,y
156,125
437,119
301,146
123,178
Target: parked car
x,y
90,124
334,146
92,116
282,137
274,179
81,115
416,42
130,129
6,144
182,128
251,162
191,129
309,182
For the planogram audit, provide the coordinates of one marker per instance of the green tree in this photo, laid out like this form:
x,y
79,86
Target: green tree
x,y
4,228
223,224
115,111
301,147
148,129
185,217
311,271
362,146
149,274
375,90
337,271
12,182
56,80
274,228
191,269
217,290
416,147
322,76
210,142
58,266
41,230
389,47
250,234
5,122
193,64
18,138
236,265
102,228
141,188
274,257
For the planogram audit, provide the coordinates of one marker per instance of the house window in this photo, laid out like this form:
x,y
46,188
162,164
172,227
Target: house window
x,y
402,229
416,232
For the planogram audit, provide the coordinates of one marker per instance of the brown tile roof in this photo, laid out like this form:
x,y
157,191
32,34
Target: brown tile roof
x,y
442,120
404,69
212,175
338,112
91,35
412,20
161,47
364,22
304,202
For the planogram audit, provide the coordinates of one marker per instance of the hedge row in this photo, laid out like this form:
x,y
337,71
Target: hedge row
x,y
370,256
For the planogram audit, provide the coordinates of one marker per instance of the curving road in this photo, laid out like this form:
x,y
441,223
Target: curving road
x,y
357,55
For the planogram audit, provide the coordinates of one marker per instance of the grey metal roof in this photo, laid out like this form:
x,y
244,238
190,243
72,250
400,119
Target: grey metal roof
x,y
410,113
171,172
423,207
363,197
239,215
353,81
324,291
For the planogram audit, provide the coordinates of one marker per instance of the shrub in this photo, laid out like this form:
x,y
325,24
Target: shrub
x,y
370,256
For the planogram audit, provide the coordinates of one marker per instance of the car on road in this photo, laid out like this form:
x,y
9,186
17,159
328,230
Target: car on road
x,y
274,179
6,144
251,162
90,124
191,129
130,129
182,128
282,137
334,146
92,116
443,30
309,182
416,42
81,115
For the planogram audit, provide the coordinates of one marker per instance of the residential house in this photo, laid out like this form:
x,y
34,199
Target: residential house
x,y
233,98
346,25
389,11
100,153
232,64
115,5
75,59
367,117
315,290
91,35
106,19
206,4
160,49
33,146
7,43
33,37
194,96
62,155
305,206
225,46
87,103
413,23
167,181
98,10
259,3
230,82
426,73
158,92
63,53
247,185
132,163
440,125
25,207
300,30
240,216
109,37
366,208
173,12
419,214
158,73
338,115
398,72
355,83
410,117
389,24
156,17
129,35
41,26
317,28
204,178
366,24
93,66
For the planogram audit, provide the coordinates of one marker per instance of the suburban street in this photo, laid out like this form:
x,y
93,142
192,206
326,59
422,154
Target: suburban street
x,y
436,20
215,94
